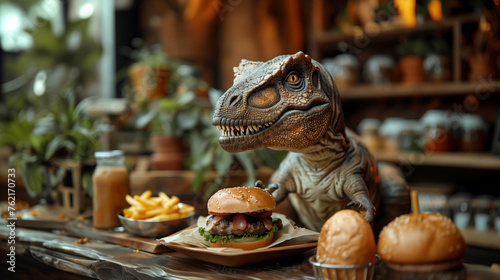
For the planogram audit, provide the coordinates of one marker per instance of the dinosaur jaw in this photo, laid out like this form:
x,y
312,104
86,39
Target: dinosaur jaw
x,y
278,133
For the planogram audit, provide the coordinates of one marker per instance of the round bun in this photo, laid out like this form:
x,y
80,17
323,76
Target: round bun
x,y
346,239
241,200
245,244
425,243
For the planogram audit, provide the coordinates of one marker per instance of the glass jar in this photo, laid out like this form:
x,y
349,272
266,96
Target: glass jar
x,y
389,132
473,136
110,186
380,70
496,215
461,209
368,130
482,207
343,68
438,135
408,137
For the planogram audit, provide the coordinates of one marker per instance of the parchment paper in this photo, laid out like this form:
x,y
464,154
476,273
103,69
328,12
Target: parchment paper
x,y
289,233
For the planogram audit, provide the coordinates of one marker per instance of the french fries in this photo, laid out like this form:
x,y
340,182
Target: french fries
x,y
160,208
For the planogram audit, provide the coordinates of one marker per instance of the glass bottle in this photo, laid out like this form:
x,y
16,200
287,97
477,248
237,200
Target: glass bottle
x,y
110,186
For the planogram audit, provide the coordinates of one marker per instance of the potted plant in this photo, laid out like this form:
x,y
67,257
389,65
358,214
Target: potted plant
x,y
150,73
168,120
412,52
41,140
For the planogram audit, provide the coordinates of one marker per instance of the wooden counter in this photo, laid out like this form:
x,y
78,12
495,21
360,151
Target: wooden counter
x,y
98,259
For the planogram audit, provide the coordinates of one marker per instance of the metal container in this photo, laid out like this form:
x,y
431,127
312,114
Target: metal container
x,y
156,229
338,272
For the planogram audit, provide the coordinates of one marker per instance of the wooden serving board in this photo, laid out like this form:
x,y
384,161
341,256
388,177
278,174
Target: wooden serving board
x,y
120,237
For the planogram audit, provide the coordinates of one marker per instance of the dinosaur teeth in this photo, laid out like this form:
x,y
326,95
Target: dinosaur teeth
x,y
241,130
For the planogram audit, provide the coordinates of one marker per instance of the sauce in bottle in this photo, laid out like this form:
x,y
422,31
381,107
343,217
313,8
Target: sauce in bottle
x,y
110,186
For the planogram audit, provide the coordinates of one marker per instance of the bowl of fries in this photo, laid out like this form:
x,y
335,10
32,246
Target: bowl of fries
x,y
159,216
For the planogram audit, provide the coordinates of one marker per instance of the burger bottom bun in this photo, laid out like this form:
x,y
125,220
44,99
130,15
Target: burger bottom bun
x,y
245,244
425,267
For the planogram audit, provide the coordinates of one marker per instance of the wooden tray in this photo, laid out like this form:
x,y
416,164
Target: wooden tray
x,y
116,236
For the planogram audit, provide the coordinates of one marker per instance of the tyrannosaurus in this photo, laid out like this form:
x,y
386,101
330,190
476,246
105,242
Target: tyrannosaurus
x,y
292,103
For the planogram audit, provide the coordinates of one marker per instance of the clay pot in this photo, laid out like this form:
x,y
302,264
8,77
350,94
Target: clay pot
x,y
412,70
148,82
168,153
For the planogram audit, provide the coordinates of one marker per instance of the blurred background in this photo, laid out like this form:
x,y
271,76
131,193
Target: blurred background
x,y
419,81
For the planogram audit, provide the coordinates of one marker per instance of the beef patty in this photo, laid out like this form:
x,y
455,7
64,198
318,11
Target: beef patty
x,y
225,226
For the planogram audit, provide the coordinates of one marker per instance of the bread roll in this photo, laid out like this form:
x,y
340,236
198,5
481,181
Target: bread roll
x,y
346,238
425,242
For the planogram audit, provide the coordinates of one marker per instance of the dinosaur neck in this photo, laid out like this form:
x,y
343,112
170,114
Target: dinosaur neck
x,y
328,153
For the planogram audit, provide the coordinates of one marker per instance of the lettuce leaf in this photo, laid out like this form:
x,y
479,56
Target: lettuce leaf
x,y
227,238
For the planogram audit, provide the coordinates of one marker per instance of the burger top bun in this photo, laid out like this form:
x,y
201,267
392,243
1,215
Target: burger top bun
x,y
426,238
241,200
346,239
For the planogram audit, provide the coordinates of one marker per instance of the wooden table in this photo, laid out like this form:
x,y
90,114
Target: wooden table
x,y
102,260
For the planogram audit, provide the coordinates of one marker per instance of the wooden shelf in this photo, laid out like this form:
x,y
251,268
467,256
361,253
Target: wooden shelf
x,y
487,239
326,39
427,89
449,159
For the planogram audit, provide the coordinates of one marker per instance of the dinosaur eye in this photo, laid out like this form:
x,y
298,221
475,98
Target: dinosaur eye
x,y
295,82
292,78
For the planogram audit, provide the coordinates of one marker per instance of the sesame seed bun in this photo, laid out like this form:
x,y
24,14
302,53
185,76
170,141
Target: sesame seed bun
x,y
346,239
427,242
240,200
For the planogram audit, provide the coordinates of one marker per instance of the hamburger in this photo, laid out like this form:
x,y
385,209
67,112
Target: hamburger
x,y
424,242
240,217
346,239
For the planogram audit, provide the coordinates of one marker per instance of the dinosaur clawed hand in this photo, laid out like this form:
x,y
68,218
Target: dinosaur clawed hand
x,y
270,189
363,203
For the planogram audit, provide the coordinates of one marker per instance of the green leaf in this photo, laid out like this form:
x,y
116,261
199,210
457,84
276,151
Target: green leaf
x,y
188,119
185,98
168,104
33,178
214,95
56,144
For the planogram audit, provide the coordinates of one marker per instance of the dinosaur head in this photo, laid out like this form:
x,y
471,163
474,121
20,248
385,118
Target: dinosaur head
x,y
286,103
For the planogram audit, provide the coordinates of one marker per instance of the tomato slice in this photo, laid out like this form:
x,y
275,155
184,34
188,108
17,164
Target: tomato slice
x,y
239,222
